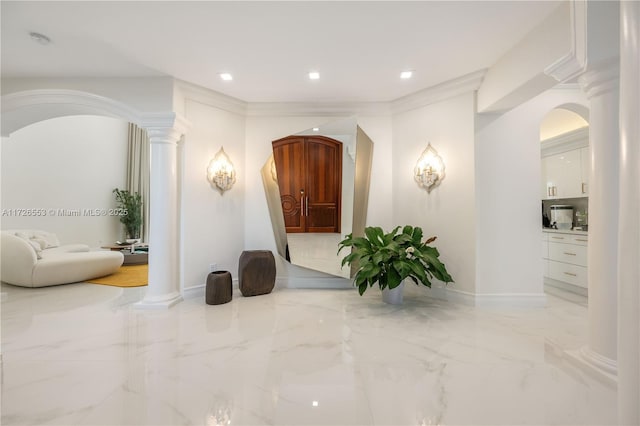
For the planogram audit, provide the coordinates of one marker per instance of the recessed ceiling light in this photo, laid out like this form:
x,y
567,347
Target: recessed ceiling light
x,y
316,129
39,38
314,75
226,76
406,74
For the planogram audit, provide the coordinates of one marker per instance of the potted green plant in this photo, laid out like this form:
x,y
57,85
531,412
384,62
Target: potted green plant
x,y
130,205
389,258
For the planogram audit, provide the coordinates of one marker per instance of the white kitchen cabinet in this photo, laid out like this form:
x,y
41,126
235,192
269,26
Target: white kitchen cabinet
x,y
565,258
562,175
565,165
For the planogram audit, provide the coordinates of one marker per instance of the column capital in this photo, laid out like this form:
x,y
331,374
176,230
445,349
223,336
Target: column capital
x,y
163,135
165,128
601,78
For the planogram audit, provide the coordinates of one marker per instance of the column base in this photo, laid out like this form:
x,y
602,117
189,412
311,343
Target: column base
x,y
595,364
158,302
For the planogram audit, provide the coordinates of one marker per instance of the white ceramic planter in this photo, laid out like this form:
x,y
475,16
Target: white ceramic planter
x,y
393,296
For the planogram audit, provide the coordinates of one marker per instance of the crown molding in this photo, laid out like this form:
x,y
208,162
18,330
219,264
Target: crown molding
x,y
312,109
211,97
574,62
601,78
72,98
457,86
467,83
574,139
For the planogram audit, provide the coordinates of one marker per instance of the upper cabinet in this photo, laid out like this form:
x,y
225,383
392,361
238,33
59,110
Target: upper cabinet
x,y
565,166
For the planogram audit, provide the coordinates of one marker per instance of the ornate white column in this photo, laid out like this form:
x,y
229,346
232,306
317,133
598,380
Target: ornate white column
x,y
163,290
629,221
601,86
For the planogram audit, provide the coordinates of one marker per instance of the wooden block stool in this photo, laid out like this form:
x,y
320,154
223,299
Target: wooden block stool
x,y
256,272
218,288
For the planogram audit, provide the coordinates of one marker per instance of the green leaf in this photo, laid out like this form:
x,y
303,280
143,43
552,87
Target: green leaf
x,y
403,268
362,288
374,235
417,235
393,278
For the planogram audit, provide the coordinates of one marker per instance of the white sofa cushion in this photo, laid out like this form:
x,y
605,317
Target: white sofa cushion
x,y
20,265
65,248
75,267
45,239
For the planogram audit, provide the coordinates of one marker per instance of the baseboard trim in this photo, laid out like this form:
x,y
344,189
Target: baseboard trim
x,y
594,364
490,300
200,290
566,286
194,291
162,302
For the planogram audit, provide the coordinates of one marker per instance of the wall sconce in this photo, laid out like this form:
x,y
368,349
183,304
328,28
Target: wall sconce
x,y
221,172
429,170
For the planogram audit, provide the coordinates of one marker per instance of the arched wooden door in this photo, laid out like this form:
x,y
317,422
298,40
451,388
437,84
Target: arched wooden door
x,y
309,170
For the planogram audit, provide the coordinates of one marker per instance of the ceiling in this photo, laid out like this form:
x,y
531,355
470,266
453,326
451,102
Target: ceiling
x,y
358,47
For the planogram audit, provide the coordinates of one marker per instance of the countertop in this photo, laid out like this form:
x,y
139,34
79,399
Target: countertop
x,y
564,231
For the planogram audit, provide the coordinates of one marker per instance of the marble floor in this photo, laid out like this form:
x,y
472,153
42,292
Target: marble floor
x,y
81,354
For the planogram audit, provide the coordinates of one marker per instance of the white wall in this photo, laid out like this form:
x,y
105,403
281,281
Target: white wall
x,y
69,163
508,201
212,224
448,212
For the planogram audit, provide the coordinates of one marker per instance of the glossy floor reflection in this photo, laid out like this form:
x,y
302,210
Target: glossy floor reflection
x,y
82,355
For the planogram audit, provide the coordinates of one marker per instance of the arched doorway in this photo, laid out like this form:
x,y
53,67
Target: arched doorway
x,y
165,129
565,168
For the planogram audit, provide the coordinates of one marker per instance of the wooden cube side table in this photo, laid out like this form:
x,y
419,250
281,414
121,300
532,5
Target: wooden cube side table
x,y
256,272
218,289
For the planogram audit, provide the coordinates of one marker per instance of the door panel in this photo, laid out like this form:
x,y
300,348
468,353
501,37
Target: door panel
x,y
289,158
310,181
324,184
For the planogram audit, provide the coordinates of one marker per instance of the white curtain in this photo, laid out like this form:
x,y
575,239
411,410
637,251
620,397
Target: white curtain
x,y
138,165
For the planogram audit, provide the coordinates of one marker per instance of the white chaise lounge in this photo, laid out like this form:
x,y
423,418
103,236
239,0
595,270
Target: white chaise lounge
x,y
34,258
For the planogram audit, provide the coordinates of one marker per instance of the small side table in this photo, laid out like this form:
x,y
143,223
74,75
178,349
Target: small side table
x,y
218,289
131,256
256,272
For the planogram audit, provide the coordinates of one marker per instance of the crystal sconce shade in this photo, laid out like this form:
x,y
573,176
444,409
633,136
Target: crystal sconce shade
x,y
429,170
221,173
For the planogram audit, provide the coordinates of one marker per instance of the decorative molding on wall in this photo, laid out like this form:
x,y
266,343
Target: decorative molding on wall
x,y
211,97
574,62
601,78
574,139
327,109
20,109
27,107
457,86
440,92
